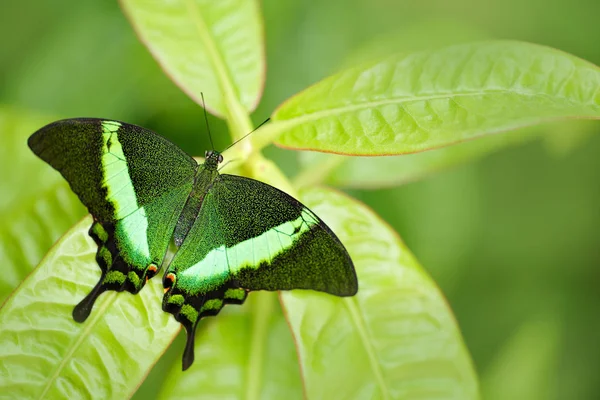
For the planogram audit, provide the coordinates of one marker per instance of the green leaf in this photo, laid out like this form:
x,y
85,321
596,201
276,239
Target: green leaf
x,y
373,173
397,338
45,354
36,206
379,172
429,99
215,47
245,353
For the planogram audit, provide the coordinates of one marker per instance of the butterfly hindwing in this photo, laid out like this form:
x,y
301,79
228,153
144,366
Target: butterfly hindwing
x,y
133,182
251,236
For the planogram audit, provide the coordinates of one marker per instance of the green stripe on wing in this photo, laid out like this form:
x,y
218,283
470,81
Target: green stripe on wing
x,y
134,183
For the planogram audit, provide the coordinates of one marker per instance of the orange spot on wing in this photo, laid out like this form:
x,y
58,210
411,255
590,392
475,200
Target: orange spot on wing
x,y
170,277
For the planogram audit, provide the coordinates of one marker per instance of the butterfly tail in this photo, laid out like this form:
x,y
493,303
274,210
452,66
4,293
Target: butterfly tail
x,y
188,353
82,310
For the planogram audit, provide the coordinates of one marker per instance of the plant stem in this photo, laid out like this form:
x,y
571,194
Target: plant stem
x,y
239,124
318,172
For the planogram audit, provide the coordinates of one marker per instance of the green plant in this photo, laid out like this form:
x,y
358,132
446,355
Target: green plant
x,y
397,337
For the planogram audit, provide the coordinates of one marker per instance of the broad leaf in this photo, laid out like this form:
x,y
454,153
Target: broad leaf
x,y
36,206
372,173
379,172
397,338
45,354
215,47
245,353
428,99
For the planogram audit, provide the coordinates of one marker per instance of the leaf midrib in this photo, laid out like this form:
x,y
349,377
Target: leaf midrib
x,y
214,55
81,338
313,116
365,338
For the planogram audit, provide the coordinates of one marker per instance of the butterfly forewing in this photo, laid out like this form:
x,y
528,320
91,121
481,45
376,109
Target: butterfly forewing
x,y
133,182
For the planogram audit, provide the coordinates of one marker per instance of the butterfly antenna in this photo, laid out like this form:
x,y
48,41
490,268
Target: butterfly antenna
x,y
206,119
247,134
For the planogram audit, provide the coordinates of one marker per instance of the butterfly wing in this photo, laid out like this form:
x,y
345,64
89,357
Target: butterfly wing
x,y
251,236
133,182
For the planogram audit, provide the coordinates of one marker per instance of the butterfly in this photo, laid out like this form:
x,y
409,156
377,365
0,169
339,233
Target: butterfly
x,y
232,234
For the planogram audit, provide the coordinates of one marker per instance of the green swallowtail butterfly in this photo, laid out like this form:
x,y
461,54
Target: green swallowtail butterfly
x,y
232,234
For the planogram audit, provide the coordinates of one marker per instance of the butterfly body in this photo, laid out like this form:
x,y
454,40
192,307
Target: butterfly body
x,y
232,234
205,176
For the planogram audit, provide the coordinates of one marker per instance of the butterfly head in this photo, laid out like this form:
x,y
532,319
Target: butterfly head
x,y
212,159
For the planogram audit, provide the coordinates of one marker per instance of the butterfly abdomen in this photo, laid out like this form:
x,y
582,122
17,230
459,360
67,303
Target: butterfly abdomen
x,y
202,182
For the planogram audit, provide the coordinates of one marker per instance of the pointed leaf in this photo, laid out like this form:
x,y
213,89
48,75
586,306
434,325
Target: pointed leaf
x,y
396,339
245,353
45,354
379,172
424,100
36,206
215,47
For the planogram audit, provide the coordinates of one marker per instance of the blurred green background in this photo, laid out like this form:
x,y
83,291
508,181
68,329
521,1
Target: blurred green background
x,y
512,240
